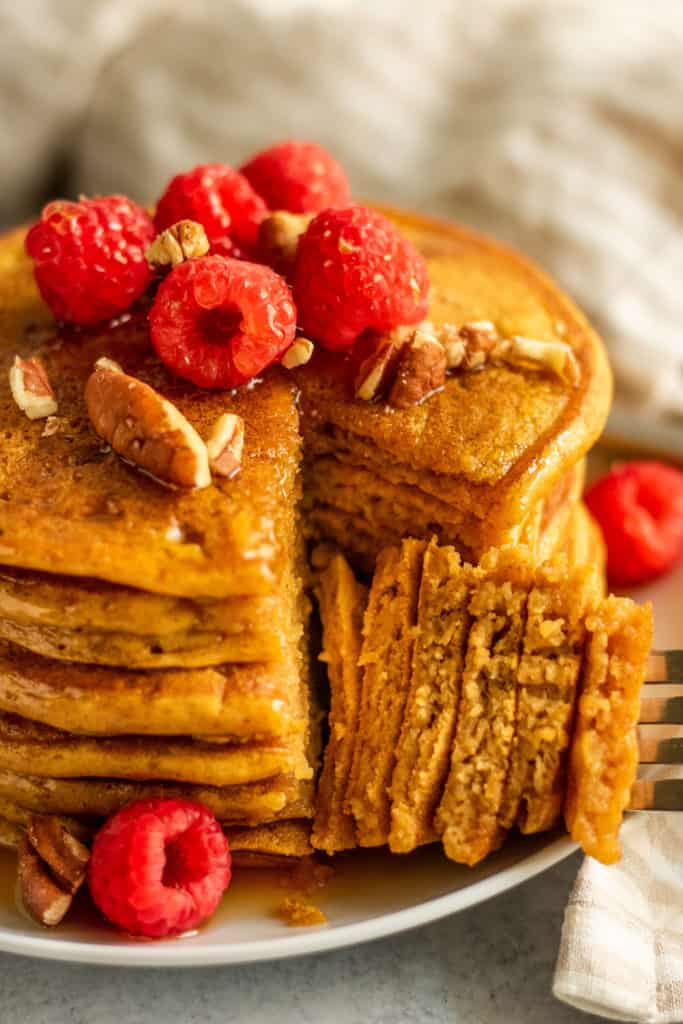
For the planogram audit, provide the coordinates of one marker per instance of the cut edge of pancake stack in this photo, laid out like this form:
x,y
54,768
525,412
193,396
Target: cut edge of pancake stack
x,y
493,696
109,694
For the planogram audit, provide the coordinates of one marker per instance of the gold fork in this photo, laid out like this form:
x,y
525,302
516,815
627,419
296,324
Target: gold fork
x,y
660,735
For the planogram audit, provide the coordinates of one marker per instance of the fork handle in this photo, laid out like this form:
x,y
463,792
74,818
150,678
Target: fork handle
x,y
664,667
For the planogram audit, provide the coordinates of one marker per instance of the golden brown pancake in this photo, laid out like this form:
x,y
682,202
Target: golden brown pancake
x,y
242,701
385,660
604,749
253,803
468,815
424,748
342,600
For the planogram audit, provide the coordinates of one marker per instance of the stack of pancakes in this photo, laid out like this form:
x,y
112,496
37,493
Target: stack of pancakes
x,y
495,458
151,640
455,690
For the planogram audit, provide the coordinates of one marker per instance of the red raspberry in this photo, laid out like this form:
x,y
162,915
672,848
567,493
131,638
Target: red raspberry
x,y
89,257
639,507
354,272
216,196
301,177
218,322
159,867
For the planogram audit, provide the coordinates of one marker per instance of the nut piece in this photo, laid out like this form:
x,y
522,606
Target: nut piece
x,y
65,856
421,370
41,896
377,370
478,337
279,236
182,241
145,428
298,354
555,356
31,388
226,444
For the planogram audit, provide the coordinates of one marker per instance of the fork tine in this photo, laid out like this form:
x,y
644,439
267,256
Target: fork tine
x,y
657,795
664,667
660,744
659,708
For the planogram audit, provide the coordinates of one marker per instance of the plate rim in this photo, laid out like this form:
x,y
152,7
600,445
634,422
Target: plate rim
x,y
176,953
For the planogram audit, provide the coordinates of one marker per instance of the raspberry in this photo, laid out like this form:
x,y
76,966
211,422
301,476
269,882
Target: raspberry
x,y
354,272
89,257
301,177
639,507
159,867
218,322
216,196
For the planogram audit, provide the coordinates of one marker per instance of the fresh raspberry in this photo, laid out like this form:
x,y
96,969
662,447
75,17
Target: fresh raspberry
x,y
89,257
301,177
216,196
354,272
159,867
639,507
218,322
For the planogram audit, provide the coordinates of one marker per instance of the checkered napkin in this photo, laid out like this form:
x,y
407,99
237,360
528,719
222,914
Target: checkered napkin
x,y
621,953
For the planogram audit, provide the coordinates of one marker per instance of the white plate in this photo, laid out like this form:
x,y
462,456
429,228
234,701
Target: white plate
x,y
370,895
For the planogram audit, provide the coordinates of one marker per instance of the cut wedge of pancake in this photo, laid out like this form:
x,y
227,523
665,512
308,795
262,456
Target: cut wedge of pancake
x,y
342,603
242,701
467,817
280,797
604,749
385,660
424,748
552,655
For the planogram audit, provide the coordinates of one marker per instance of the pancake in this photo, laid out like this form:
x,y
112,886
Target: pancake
x,y
424,747
241,701
552,656
604,749
27,746
251,804
468,815
385,660
492,444
342,600
71,506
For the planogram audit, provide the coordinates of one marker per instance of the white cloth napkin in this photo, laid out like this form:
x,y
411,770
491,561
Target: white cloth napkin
x,y
621,953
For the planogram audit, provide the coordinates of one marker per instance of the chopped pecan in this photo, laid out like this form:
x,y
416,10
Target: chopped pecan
x,y
42,897
31,388
555,356
145,428
184,240
478,338
66,857
298,354
376,372
226,444
421,370
279,236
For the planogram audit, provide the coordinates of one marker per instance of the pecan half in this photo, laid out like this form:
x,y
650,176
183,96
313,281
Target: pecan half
x,y
226,444
421,370
42,897
279,236
555,356
184,240
66,857
376,372
145,428
31,388
298,354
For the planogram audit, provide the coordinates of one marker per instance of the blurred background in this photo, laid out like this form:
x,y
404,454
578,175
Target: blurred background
x,y
554,124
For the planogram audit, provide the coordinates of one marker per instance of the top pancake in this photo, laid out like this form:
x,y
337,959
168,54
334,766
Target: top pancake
x,y
68,505
493,441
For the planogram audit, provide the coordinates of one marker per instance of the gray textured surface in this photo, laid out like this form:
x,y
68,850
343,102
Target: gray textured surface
x,y
492,963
